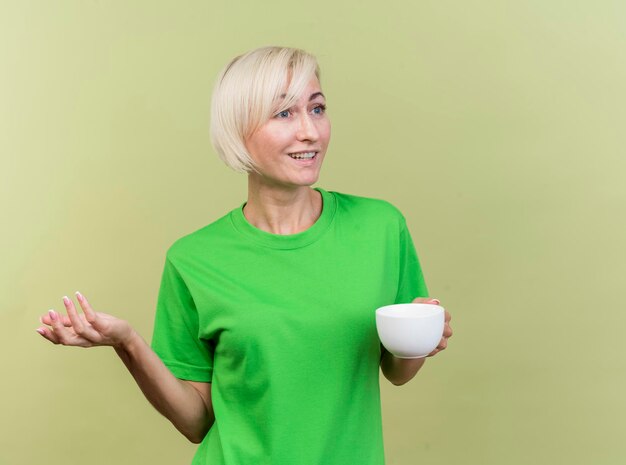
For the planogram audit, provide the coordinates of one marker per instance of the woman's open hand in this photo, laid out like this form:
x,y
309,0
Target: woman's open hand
x,y
87,329
447,329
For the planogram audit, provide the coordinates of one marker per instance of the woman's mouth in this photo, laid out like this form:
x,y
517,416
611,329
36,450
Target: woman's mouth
x,y
303,155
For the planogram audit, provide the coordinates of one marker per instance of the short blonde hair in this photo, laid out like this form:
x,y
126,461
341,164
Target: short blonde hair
x,y
249,91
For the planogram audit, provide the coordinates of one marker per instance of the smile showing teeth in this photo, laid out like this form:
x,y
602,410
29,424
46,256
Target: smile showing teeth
x,y
302,156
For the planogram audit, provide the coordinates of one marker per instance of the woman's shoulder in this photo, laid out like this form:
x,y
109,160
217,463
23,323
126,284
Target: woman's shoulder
x,y
371,206
202,240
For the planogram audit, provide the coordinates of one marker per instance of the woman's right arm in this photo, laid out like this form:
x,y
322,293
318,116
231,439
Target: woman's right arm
x,y
187,404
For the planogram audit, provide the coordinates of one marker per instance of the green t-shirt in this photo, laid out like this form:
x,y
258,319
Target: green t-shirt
x,y
284,328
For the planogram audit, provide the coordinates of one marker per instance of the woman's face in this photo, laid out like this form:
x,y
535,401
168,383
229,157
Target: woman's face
x,y
289,148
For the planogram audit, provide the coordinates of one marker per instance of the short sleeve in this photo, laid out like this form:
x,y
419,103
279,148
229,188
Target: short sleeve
x,y
176,339
411,283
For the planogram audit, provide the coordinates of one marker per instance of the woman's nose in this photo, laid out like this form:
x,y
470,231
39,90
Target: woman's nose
x,y
306,128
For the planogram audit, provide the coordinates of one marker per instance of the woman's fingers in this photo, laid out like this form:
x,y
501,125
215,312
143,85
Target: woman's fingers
x,y
433,353
426,300
447,331
48,334
85,329
61,334
80,325
45,319
73,329
443,344
77,324
90,315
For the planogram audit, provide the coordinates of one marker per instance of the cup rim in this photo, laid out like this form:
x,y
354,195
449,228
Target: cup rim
x,y
434,310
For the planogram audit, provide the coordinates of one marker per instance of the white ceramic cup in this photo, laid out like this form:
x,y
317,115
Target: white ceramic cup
x,y
410,330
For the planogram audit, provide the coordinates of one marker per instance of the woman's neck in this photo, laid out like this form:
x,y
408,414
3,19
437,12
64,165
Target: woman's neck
x,y
277,210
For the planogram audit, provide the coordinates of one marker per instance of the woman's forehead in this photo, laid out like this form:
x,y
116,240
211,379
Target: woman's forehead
x,y
312,91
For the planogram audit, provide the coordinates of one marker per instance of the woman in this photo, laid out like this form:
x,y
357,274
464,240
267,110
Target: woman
x,y
265,345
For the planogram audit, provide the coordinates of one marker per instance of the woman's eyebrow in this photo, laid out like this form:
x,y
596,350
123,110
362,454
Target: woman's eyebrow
x,y
316,94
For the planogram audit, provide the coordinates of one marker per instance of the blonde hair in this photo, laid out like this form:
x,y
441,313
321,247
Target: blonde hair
x,y
249,91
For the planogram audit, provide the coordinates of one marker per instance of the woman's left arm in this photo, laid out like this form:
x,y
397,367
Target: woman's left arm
x,y
401,370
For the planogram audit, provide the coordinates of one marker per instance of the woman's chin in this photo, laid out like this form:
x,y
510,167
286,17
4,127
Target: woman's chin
x,y
287,182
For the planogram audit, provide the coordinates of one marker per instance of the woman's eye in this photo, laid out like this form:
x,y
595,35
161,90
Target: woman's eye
x,y
283,114
320,109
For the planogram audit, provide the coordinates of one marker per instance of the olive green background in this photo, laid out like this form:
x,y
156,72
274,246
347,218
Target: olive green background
x,y
497,127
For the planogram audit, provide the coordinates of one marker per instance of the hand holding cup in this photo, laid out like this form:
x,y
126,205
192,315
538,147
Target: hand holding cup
x,y
416,330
